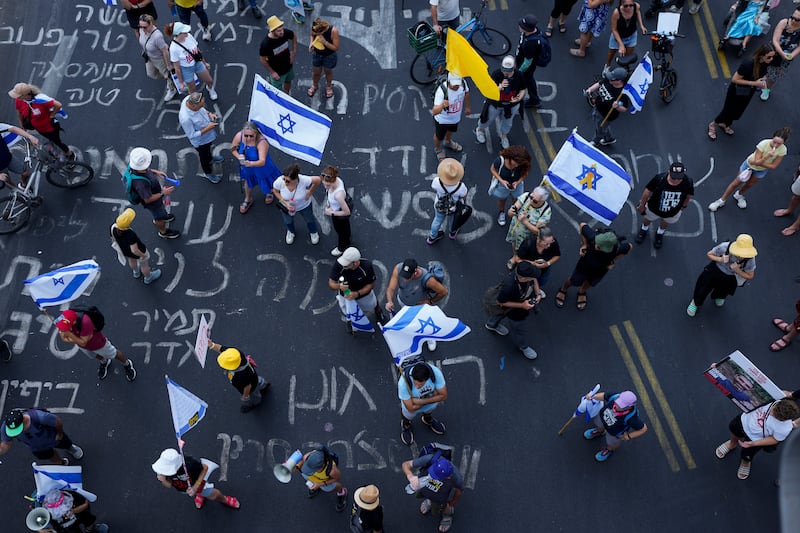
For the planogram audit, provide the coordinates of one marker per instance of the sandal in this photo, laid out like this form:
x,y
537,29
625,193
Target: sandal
x,y
561,297
328,92
245,206
788,232
780,344
712,131
727,129
312,91
454,146
199,501
581,305
232,502
743,472
576,52
781,213
425,506
446,523
548,32
269,198
562,28
782,325
722,450
510,264
440,154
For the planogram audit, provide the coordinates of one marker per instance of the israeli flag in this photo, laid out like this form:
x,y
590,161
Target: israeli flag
x,y
639,82
354,314
42,98
9,137
407,330
63,285
110,2
589,408
290,126
187,409
51,477
589,179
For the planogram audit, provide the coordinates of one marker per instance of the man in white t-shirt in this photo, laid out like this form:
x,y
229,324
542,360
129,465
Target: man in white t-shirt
x,y
449,101
445,13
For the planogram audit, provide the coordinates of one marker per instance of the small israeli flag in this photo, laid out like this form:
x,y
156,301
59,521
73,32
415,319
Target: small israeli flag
x,y
52,477
63,285
639,82
406,331
187,409
354,314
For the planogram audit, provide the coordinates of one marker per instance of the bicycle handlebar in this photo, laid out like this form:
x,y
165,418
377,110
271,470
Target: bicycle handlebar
x,y
659,34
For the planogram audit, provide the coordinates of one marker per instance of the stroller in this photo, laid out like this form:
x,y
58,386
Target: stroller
x,y
745,19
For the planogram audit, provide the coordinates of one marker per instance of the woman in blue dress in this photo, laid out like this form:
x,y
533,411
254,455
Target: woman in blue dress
x,y
255,166
748,23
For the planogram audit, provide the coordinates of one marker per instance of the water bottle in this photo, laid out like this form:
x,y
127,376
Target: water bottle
x,y
422,482
346,292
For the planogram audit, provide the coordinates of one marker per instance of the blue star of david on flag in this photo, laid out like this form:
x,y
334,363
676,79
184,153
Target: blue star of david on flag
x,y
58,281
588,177
291,124
354,314
63,285
406,331
639,82
429,322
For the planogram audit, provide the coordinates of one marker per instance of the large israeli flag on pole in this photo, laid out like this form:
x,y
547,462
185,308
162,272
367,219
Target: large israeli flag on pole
x,y
406,331
63,285
290,126
589,179
639,82
187,409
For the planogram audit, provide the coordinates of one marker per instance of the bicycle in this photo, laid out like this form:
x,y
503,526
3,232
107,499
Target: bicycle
x,y
431,59
662,44
16,208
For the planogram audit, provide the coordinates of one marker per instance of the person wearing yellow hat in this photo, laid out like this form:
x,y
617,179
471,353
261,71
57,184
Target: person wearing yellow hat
x,y
132,248
277,53
732,265
367,513
241,372
323,48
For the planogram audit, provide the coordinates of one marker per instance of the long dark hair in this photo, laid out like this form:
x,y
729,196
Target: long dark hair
x,y
760,52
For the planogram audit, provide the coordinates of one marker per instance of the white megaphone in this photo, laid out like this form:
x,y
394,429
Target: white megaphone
x,y
38,519
283,472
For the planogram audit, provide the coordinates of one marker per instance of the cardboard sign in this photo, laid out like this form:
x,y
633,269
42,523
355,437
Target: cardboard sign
x,y
201,343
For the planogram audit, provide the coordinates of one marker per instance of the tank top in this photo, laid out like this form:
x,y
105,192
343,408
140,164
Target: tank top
x,y
626,28
412,291
332,201
789,39
328,35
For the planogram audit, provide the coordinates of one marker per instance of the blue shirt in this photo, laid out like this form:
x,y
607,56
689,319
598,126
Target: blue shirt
x,y
426,391
194,121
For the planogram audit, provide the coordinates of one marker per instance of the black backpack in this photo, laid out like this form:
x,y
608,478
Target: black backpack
x,y
97,318
437,450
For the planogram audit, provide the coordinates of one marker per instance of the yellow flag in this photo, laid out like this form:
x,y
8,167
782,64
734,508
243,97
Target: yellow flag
x,y
464,61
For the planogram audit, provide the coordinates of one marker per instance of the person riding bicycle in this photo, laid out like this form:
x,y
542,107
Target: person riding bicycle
x,y
445,14
8,162
609,102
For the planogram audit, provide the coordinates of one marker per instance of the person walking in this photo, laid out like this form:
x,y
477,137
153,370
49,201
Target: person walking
x,y
185,9
323,48
592,22
508,171
450,100
518,295
767,156
421,388
367,513
625,19
449,191
750,75
559,13
69,509
529,214
441,489
241,372
132,247
42,432
251,149
761,429
186,474
618,420
143,187
793,203
542,250
529,52
293,192
337,207
788,331
664,198
320,470
353,278
200,126
512,92
135,10
277,53
732,265
785,40
86,332
155,52
610,102
37,111
187,59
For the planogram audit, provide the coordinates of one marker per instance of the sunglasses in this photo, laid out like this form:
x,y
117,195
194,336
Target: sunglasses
x,y
627,5
795,19
248,135
287,180
326,176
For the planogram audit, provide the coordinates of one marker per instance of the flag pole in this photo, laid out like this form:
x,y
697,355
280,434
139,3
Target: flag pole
x,y
605,119
566,425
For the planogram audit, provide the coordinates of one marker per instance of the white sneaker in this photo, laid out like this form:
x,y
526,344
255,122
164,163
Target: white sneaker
x,y
529,353
501,218
716,204
206,34
212,94
694,8
740,201
171,92
504,141
542,294
315,238
480,136
289,237
336,252
431,344
75,451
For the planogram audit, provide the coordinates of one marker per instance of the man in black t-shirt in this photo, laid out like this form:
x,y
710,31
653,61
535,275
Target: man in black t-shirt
x,y
277,53
608,104
241,372
353,278
518,295
512,92
664,197
528,51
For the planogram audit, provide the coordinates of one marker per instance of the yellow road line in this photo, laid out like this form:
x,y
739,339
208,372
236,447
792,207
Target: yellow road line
x,y
712,66
537,151
659,394
551,152
504,5
492,5
712,31
644,398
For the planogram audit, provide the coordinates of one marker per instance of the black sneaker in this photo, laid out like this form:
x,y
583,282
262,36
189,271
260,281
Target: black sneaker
x,y
130,372
170,218
5,351
641,236
313,492
435,239
659,241
349,327
341,501
608,142
406,434
256,12
102,372
245,408
170,234
436,426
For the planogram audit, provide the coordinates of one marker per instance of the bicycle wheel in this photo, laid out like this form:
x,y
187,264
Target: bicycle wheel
x,y
72,175
490,42
669,83
423,72
14,213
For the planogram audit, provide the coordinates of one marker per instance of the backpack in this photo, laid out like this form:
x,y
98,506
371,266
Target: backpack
x,y
128,178
445,203
437,450
407,364
627,417
435,270
490,305
545,51
330,459
97,318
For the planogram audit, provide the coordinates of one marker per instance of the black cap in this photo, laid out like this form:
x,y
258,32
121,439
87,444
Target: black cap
x,y
408,268
526,270
528,22
677,170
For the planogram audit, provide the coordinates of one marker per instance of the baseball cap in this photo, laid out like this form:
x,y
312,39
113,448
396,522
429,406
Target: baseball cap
x,y
19,89
677,170
349,256
66,320
314,463
508,64
625,399
528,22
526,270
230,359
452,79
14,422
617,74
605,241
441,469
408,268
140,158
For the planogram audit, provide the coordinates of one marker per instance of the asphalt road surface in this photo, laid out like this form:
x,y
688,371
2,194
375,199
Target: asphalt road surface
x,y
272,300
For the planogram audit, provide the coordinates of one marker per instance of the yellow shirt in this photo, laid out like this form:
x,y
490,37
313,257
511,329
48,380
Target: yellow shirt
x,y
186,3
765,147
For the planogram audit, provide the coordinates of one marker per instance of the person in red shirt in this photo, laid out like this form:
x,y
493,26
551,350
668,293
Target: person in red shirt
x,y
37,111
82,331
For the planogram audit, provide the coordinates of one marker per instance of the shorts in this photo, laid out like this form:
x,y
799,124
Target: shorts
x,y
107,351
421,411
327,62
15,165
156,68
187,73
442,129
158,210
208,488
758,174
330,487
286,78
652,217
501,193
629,42
580,276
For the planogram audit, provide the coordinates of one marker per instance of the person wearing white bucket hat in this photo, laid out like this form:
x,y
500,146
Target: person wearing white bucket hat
x,y
187,474
143,186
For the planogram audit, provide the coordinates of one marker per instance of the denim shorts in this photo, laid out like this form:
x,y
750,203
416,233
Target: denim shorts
x,y
759,174
327,62
627,41
187,73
